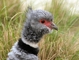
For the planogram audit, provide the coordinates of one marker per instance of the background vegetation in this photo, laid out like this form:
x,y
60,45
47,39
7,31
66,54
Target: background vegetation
x,y
59,45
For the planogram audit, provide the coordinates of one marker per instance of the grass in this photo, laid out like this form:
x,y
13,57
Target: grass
x,y
59,45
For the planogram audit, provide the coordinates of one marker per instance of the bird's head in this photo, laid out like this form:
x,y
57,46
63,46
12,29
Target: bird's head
x,y
38,23
41,21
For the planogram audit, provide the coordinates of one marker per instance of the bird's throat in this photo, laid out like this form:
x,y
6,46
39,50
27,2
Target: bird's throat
x,y
31,35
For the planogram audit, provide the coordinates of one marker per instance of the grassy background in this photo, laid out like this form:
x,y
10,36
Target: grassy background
x,y
60,45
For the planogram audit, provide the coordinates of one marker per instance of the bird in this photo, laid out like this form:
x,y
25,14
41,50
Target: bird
x,y
37,24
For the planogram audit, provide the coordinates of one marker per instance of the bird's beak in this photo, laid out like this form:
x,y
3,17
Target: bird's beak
x,y
54,26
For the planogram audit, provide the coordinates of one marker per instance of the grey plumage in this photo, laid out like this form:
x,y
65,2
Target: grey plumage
x,y
31,34
17,54
32,24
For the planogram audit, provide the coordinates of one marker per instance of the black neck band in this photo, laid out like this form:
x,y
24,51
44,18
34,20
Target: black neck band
x,y
26,48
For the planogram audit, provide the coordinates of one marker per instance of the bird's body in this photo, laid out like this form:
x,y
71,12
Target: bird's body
x,y
19,54
38,23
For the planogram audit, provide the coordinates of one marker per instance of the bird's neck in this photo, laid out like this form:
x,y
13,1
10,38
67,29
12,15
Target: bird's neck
x,y
34,45
26,48
31,36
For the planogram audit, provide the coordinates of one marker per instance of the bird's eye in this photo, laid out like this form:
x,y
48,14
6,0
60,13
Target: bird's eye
x,y
42,21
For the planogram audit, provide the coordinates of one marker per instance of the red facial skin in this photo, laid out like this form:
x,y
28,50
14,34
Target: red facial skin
x,y
47,23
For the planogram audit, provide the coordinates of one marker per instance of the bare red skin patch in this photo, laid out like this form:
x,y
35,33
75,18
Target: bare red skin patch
x,y
47,23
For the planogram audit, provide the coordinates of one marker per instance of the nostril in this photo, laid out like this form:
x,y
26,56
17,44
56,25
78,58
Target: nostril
x,y
52,24
51,19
